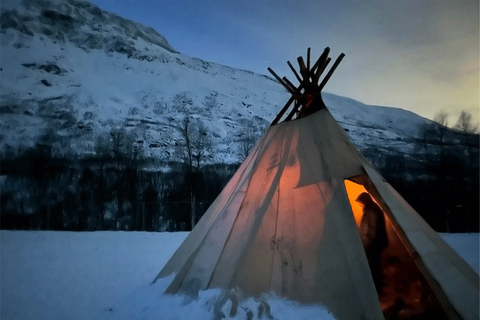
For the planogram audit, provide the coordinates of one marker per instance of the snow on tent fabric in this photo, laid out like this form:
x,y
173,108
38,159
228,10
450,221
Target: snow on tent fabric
x,y
287,222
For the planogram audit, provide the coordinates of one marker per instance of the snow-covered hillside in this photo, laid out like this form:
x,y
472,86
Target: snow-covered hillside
x,y
107,275
50,79
70,72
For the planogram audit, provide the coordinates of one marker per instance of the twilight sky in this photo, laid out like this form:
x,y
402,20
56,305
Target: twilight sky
x,y
419,55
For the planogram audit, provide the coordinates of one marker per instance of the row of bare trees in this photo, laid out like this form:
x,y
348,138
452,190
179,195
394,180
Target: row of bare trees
x,y
42,191
445,186
118,187
464,122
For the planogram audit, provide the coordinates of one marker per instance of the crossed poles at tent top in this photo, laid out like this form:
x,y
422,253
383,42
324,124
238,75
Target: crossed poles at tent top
x,y
307,95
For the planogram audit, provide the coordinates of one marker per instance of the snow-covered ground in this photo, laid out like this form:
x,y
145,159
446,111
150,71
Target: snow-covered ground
x,y
107,275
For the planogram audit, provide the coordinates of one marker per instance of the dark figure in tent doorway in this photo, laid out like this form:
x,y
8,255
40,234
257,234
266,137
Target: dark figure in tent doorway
x,y
373,233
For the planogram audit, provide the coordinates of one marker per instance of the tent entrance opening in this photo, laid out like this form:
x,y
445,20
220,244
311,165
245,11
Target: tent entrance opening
x,y
402,289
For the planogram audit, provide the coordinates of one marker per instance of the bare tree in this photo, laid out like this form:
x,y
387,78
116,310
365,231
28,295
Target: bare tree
x,y
246,144
121,143
432,133
119,148
441,118
197,143
439,129
464,123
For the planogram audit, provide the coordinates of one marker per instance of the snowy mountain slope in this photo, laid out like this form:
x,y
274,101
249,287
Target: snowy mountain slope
x,y
82,24
80,93
71,72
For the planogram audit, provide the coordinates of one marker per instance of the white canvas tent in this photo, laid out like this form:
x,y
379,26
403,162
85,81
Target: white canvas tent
x,y
287,223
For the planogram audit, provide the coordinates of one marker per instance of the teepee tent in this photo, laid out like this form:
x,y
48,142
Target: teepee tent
x,y
287,222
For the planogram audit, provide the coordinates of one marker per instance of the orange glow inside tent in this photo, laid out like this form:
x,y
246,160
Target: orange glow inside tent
x,y
353,191
401,277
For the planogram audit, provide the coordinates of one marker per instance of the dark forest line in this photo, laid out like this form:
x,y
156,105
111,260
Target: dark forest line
x,y
41,192
124,192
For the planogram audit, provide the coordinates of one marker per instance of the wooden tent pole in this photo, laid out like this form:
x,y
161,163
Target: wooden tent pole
x,y
322,57
329,74
292,113
308,58
282,112
281,81
308,79
303,72
290,84
320,70
294,72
